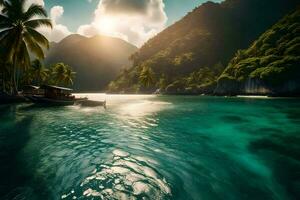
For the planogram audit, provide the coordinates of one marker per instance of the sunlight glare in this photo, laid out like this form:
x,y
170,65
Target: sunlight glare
x,y
106,24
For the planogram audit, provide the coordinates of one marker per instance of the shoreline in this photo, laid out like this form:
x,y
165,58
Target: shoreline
x,y
216,95
8,99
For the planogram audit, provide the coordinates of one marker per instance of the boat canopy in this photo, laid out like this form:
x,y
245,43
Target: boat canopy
x,y
30,87
54,87
52,91
31,90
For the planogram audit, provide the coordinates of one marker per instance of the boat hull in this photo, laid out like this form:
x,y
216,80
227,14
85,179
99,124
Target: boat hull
x,y
51,102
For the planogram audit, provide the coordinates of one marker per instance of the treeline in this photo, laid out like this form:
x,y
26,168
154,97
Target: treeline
x,y
20,42
36,74
189,56
272,61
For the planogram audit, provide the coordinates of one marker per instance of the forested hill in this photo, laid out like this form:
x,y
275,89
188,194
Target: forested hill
x,y
270,66
96,60
192,53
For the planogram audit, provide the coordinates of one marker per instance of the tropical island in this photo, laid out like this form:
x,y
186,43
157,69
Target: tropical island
x,y
20,42
206,53
194,93
203,53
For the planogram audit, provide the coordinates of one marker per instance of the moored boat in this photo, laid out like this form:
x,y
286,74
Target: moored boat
x,y
52,95
50,101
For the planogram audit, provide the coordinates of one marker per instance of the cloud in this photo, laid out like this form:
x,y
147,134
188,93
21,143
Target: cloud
x,y
39,2
59,31
132,20
56,12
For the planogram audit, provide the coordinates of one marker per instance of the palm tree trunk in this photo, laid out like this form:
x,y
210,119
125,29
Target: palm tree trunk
x,y
14,81
15,61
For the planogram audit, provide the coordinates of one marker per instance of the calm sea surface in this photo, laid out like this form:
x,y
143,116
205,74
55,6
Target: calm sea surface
x,y
149,147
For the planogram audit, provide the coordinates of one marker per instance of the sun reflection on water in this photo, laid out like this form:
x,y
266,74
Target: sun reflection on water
x,y
124,177
143,108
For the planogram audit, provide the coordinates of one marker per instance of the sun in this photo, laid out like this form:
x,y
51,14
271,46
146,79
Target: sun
x,y
106,24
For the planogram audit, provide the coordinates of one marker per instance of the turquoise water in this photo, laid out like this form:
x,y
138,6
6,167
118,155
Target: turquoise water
x,y
148,147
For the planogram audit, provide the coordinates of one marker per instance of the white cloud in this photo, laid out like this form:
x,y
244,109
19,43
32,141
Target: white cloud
x,y
59,31
56,12
132,20
29,2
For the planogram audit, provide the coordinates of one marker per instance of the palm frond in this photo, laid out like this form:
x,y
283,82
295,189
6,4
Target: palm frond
x,y
35,23
4,33
14,9
6,6
23,56
5,26
34,10
38,37
4,19
33,46
8,42
18,4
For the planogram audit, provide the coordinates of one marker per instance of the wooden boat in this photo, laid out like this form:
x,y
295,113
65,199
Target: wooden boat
x,y
50,95
51,101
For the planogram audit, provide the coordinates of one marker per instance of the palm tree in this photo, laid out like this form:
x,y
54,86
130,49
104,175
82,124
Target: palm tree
x,y
69,76
147,77
193,78
62,74
162,84
58,73
38,72
19,35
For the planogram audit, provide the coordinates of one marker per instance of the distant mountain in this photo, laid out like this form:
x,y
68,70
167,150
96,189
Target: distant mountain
x,y
270,66
96,61
192,53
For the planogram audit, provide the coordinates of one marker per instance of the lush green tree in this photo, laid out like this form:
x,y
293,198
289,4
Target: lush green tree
x,y
146,77
62,74
38,73
193,78
208,35
69,76
271,62
162,83
18,35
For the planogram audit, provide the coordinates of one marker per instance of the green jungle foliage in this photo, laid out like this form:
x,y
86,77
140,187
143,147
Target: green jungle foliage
x,y
190,55
18,38
20,41
273,59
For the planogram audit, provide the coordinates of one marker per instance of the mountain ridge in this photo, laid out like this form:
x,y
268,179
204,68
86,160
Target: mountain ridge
x,y
97,60
270,66
207,37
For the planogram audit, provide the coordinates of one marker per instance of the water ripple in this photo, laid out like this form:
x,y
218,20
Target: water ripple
x,y
124,177
147,147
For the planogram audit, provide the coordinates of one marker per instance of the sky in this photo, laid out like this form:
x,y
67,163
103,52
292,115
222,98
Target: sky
x,y
134,21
